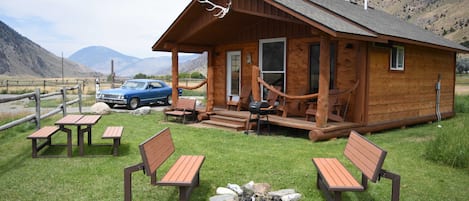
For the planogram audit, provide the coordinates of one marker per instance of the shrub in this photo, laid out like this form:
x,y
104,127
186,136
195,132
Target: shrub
x,y
462,104
451,145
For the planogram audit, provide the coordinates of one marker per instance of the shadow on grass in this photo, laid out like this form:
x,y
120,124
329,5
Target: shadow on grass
x,y
60,150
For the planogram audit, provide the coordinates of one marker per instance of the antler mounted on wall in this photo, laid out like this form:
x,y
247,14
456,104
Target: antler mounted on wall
x,y
223,10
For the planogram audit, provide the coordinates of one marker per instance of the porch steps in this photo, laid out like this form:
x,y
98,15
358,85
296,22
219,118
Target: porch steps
x,y
234,123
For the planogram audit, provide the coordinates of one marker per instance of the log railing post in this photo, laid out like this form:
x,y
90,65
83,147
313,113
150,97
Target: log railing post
x,y
175,76
324,82
210,81
256,92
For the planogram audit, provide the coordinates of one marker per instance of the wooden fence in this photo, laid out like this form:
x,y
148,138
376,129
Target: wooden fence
x,y
36,96
88,84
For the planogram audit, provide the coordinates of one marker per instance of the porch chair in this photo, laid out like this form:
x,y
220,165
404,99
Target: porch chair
x,y
334,107
244,99
272,97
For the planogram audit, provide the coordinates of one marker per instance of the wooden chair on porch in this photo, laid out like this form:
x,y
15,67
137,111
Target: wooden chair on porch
x,y
273,97
244,99
334,106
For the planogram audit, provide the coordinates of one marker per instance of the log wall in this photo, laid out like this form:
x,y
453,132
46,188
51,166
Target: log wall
x,y
220,68
399,95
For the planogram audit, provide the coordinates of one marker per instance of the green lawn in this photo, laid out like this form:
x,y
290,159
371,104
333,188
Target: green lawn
x,y
282,160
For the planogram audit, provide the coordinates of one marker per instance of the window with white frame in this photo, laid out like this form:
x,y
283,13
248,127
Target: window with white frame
x,y
272,62
397,58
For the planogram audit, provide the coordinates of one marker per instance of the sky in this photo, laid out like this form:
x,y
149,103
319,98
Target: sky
x,y
66,26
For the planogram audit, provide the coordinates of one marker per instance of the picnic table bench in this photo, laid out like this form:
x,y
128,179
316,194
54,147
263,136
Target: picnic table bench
x,y
44,133
114,133
184,173
333,178
184,108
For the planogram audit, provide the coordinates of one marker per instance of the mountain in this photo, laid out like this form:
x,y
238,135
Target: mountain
x,y
19,56
447,18
99,59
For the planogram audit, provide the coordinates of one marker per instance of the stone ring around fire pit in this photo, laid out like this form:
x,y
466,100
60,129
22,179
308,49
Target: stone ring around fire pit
x,y
254,192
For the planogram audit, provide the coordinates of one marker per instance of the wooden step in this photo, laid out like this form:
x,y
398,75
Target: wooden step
x,y
230,120
224,125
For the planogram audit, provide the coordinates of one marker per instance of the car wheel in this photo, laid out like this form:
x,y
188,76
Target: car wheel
x,y
133,104
111,105
169,100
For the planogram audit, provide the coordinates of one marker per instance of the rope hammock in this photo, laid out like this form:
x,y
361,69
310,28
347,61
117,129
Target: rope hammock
x,y
193,87
310,96
301,97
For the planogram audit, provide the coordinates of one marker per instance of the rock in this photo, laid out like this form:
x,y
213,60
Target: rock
x,y
261,189
291,197
281,193
225,191
223,198
142,111
249,186
236,188
100,108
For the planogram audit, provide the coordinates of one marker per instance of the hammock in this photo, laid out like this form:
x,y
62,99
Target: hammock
x,y
193,87
310,96
301,97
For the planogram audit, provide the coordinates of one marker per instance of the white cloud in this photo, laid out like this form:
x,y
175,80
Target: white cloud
x,y
130,27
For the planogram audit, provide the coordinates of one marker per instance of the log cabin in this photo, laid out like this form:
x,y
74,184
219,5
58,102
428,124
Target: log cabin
x,y
390,73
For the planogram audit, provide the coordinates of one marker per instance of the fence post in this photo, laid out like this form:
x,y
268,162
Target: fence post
x,y
44,86
7,86
37,97
64,101
79,98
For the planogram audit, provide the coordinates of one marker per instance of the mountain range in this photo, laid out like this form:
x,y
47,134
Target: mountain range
x,y
99,58
19,56
447,18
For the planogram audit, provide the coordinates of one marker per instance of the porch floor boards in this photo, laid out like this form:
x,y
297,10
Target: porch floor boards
x,y
293,122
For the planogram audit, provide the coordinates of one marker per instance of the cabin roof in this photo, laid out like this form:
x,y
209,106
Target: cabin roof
x,y
335,17
378,23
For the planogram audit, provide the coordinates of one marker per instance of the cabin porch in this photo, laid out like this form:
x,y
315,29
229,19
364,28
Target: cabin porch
x,y
238,120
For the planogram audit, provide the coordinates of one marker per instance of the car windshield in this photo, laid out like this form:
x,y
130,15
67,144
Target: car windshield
x,y
133,85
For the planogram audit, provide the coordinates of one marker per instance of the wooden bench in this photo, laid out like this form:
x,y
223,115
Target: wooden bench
x,y
114,133
184,108
184,173
333,178
43,133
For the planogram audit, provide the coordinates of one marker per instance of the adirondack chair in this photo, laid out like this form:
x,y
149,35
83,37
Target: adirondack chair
x,y
334,107
244,99
272,97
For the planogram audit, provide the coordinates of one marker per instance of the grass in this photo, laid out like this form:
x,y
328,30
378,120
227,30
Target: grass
x,y
282,160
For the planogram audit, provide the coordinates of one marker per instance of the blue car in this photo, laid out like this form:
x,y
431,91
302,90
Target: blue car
x,y
137,92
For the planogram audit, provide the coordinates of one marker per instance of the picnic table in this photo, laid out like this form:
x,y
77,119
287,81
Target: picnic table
x,y
78,120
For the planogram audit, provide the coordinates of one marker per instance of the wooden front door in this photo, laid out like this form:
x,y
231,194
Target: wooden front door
x,y
233,74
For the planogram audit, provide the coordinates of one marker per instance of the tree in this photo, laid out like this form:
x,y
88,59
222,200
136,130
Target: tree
x,y
140,76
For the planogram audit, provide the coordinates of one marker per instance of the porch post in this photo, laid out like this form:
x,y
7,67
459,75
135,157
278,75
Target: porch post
x,y
256,92
175,75
210,81
324,82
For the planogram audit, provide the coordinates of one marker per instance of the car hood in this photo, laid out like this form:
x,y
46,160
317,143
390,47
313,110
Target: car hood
x,y
118,91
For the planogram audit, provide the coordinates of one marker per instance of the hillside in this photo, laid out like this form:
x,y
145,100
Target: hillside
x,y
448,18
19,56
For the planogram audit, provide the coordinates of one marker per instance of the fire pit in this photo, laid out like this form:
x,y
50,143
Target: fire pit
x,y
260,110
254,192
